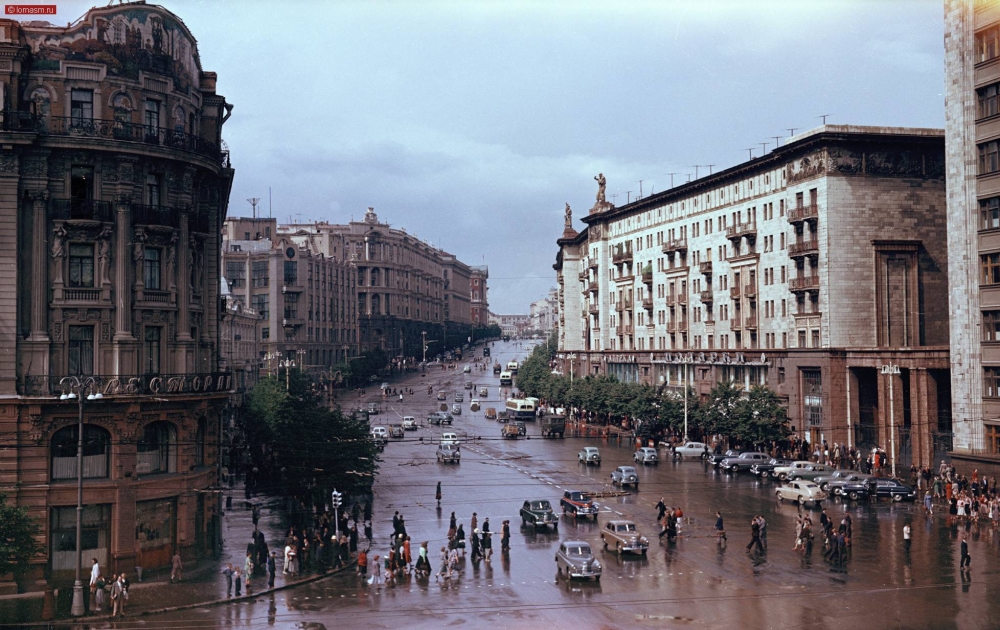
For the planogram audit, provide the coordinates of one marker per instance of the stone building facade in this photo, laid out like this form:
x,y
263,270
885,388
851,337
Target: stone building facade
x,y
479,305
545,312
113,188
808,270
972,135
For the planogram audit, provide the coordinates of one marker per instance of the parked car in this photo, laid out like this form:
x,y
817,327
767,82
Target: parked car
x,y
576,560
484,392
781,472
590,455
646,455
884,488
809,472
625,537
459,397
625,476
838,486
380,434
442,396
692,450
823,481
716,458
801,492
764,469
469,385
491,413
449,454
395,430
743,462
409,423
538,513
449,438
510,431
578,504
456,409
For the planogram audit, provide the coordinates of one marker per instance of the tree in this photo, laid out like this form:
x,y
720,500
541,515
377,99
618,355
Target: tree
x,y
721,414
18,544
762,417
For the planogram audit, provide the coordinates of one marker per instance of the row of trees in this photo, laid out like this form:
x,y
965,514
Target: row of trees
x,y
756,416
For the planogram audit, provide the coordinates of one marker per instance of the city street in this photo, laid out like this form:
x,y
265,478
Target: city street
x,y
693,582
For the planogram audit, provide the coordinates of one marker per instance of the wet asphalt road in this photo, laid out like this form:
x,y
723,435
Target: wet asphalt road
x,y
693,583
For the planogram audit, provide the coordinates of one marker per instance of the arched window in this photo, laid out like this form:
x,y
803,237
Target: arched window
x,y
376,304
199,442
96,452
156,452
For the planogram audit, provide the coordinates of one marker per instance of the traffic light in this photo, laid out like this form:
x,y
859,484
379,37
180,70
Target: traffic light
x,y
336,499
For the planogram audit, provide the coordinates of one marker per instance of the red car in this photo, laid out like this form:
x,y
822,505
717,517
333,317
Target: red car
x,y
578,504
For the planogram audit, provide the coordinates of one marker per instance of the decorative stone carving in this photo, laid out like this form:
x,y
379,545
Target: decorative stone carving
x,y
594,232
105,331
844,161
35,167
370,216
126,171
187,182
899,163
130,427
601,186
59,244
104,255
39,428
171,259
8,163
110,174
805,168
57,331
138,244
569,216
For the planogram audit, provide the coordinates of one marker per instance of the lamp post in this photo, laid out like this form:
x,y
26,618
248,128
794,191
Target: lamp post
x,y
74,389
892,370
423,336
287,364
302,354
684,392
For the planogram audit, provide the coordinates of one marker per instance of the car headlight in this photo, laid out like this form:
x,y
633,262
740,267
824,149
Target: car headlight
x,y
597,565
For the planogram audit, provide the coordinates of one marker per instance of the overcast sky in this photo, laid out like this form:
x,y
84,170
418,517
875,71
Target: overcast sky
x,y
471,123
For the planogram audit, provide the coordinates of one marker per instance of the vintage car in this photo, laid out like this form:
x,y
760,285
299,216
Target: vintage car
x,y
442,396
781,472
456,409
469,385
823,481
884,488
449,438
538,513
836,486
625,476
449,453
646,455
764,469
809,472
576,560
374,408
521,429
743,462
439,417
716,458
491,413
624,536
467,369
395,430
551,425
691,450
801,492
590,455
578,504
459,397
484,392
380,434
510,431
409,423
496,368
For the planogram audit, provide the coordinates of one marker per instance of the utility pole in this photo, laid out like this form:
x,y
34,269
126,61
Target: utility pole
x,y
253,204
628,197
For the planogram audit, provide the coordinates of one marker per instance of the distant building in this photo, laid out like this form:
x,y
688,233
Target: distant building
x,y
511,325
545,312
480,306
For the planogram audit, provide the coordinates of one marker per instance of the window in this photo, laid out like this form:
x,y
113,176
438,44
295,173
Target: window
x,y
291,306
986,44
261,304
151,268
81,265
80,187
802,339
156,452
199,442
815,338
781,376
95,536
991,325
291,273
992,438
991,381
988,100
96,452
988,159
151,349
265,334
989,213
81,108
812,399
151,113
236,274
153,190
259,273
156,527
80,361
990,265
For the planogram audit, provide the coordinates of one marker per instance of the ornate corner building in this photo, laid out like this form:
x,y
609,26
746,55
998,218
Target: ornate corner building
x,y
113,188
819,270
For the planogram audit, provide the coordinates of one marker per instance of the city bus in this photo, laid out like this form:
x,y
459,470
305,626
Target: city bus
x,y
518,409
506,380
512,367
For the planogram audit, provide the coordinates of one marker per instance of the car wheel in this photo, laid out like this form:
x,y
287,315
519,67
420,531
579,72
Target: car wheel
x,y
778,494
605,544
783,477
897,498
838,491
565,510
733,468
824,486
800,500
853,495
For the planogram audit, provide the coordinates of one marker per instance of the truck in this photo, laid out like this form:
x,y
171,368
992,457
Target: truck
x,y
552,425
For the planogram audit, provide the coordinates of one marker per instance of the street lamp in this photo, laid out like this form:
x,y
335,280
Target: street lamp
x,y
75,389
287,364
892,370
302,360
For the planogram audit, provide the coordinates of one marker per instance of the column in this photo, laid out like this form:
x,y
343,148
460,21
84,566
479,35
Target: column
x,y
123,302
40,265
923,409
183,286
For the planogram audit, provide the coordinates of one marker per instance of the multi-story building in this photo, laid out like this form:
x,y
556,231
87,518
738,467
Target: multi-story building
x,y
545,312
113,189
479,305
819,270
303,291
972,137
511,325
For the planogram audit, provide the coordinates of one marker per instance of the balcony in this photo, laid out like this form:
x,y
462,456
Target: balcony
x,y
671,299
675,245
133,384
619,306
682,326
804,283
156,297
82,210
750,323
594,309
803,248
593,264
647,303
628,329
620,329
682,298
592,286
155,215
750,290
120,131
291,286
82,295
740,230
736,323
647,276
709,322
805,213
621,255
734,292
705,267
671,327
707,297
625,278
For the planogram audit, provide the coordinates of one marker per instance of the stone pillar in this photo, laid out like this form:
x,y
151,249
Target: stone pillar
x,y
183,286
124,343
923,409
40,265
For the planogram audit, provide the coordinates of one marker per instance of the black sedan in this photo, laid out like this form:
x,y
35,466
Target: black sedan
x,y
764,469
716,458
884,488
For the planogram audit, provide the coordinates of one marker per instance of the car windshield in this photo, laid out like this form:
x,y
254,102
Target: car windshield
x,y
626,527
540,505
628,470
577,496
581,551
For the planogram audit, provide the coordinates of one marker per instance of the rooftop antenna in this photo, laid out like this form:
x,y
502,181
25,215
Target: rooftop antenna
x,y
710,168
763,146
628,197
640,189
777,142
614,197
689,178
750,151
823,116
671,179
269,202
696,170
253,204
791,131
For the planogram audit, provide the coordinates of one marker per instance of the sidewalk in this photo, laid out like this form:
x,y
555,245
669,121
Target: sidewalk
x,y
204,584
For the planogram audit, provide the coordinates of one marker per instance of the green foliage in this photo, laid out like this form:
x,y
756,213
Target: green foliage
x,y
18,544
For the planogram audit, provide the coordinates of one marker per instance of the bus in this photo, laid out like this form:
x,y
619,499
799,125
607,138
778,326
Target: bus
x,y
512,367
519,409
506,380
